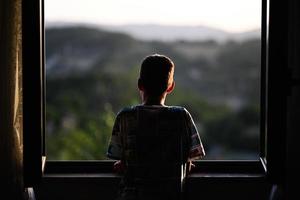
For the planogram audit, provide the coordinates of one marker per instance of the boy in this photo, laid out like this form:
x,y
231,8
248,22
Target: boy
x,y
152,142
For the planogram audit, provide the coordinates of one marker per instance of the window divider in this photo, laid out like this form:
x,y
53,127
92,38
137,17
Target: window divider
x,y
32,67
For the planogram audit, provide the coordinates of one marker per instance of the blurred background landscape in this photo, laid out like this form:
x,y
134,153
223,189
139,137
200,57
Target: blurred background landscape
x,y
92,73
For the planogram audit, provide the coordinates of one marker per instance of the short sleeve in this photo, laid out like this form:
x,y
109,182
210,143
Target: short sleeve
x,y
114,150
196,150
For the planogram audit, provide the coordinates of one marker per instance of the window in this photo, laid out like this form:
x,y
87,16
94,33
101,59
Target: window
x,y
92,63
34,99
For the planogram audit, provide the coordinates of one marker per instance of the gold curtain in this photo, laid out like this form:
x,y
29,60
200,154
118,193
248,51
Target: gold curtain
x,y
11,141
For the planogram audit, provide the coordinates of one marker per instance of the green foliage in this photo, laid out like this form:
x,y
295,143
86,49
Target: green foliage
x,y
95,74
88,142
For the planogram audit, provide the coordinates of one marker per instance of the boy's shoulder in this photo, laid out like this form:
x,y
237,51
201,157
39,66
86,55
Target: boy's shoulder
x,y
133,109
177,109
126,110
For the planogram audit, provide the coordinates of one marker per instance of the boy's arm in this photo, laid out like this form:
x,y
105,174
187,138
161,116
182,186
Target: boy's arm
x,y
190,165
196,150
115,147
114,150
119,166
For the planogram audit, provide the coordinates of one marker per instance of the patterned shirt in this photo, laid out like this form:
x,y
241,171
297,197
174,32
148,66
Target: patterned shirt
x,y
155,143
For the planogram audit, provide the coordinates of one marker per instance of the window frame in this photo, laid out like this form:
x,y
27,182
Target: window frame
x,y
33,91
270,162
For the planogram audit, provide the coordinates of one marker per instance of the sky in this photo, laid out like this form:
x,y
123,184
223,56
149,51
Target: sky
x,y
229,15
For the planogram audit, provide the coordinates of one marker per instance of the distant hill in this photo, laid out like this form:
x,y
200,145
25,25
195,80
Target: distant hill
x,y
170,33
188,33
219,71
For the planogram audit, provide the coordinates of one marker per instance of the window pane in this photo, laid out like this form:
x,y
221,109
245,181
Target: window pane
x,y
94,49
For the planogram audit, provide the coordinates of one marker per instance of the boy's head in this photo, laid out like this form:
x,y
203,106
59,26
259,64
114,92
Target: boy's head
x,y
156,75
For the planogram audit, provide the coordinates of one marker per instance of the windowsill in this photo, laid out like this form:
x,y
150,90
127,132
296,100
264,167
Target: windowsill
x,y
228,175
205,170
192,176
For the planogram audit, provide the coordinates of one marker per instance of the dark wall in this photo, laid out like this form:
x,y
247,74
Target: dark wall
x,y
293,109
106,188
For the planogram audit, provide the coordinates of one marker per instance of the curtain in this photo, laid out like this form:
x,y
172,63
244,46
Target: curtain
x,y
11,174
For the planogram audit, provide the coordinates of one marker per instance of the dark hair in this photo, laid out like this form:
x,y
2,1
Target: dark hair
x,y
155,73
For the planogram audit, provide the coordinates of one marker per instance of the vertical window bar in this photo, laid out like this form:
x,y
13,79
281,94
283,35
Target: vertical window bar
x,y
43,76
32,92
263,80
276,91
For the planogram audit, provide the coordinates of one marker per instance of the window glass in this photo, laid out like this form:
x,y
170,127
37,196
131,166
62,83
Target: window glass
x,y
94,49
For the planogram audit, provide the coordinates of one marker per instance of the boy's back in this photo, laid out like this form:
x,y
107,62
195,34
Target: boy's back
x,y
155,143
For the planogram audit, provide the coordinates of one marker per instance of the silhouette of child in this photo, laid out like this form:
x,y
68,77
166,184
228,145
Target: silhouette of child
x,y
154,144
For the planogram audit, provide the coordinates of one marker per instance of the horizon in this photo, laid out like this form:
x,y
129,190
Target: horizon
x,y
95,25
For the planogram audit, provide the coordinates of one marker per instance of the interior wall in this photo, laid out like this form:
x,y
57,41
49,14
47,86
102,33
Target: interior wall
x,y
106,188
293,125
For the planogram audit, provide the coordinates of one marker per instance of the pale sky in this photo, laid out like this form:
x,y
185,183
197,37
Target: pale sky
x,y
229,15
